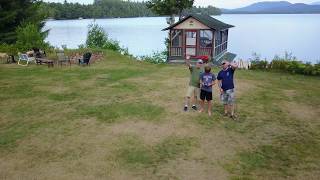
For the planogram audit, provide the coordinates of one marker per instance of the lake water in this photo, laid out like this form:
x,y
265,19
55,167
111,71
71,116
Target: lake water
x,y
266,35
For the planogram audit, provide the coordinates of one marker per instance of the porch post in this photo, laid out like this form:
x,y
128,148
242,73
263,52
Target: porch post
x,y
198,43
213,44
183,52
227,38
169,44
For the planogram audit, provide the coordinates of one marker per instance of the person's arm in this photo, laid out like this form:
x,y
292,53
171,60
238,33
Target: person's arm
x,y
200,80
213,82
219,78
234,65
214,79
220,86
187,61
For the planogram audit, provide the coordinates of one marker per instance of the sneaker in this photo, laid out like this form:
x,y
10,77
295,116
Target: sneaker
x,y
233,117
194,107
185,108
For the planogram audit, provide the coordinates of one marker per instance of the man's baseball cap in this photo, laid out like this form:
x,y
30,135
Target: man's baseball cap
x,y
224,62
200,61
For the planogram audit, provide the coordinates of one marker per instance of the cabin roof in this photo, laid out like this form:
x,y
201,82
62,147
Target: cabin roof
x,y
204,19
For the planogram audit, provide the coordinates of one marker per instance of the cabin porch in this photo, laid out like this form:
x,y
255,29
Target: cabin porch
x,y
197,43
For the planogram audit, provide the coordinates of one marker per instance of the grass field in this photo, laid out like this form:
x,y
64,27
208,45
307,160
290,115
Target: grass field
x,y
122,119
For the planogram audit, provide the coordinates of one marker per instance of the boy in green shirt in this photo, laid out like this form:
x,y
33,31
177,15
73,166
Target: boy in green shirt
x,y
194,84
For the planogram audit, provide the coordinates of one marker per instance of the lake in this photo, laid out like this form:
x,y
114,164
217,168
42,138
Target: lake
x,y
265,34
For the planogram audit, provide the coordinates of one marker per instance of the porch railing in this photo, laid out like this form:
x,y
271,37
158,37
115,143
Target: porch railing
x,y
205,52
176,51
220,48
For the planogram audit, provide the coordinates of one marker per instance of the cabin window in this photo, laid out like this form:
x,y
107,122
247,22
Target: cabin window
x,y
205,38
224,36
218,38
176,38
191,38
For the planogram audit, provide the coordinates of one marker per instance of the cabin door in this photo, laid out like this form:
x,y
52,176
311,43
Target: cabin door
x,y
191,42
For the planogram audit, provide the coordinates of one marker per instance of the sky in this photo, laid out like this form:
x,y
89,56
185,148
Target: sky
x,y
217,3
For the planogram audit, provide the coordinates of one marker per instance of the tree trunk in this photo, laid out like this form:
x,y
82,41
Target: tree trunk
x,y
180,14
172,19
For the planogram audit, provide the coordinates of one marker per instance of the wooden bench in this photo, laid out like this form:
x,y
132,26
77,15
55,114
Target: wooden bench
x,y
45,61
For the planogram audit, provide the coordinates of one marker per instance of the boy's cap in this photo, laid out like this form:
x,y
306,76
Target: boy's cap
x,y
200,61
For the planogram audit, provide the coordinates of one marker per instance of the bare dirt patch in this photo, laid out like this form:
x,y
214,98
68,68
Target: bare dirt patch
x,y
302,112
243,86
153,133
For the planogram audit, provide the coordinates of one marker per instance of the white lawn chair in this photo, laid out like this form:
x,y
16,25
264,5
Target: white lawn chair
x,y
26,58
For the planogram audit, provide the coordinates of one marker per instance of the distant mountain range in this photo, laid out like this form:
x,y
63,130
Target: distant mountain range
x,y
276,7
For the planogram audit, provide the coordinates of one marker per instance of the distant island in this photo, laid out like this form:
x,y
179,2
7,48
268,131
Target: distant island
x,y
278,7
124,9
110,9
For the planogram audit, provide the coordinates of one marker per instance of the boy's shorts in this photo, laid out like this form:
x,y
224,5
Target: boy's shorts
x,y
193,91
228,97
205,95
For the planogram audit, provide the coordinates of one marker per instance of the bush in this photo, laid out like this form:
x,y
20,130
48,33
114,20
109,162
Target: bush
x,y
260,64
316,69
296,67
29,36
9,49
287,63
155,58
98,38
112,45
279,64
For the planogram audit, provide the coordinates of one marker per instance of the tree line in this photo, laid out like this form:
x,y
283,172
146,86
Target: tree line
x,y
111,9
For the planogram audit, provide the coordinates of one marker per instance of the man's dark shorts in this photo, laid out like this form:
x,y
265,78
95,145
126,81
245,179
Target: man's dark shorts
x,y
205,95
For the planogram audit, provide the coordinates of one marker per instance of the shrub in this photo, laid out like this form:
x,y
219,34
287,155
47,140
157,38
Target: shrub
x,y
287,63
296,67
112,45
279,64
98,38
9,49
316,69
155,58
259,64
30,36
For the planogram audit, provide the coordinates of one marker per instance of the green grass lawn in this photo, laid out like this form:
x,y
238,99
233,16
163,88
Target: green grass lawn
x,y
123,119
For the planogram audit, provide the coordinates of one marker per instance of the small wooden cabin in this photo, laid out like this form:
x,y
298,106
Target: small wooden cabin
x,y
200,37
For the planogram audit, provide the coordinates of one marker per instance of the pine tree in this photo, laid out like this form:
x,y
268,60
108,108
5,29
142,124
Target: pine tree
x,y
14,13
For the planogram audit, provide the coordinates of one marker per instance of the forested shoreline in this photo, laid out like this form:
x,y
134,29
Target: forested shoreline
x,y
111,9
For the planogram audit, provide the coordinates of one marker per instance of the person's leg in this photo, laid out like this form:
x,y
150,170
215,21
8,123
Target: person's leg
x,y
226,109
209,107
188,96
231,107
231,103
186,104
201,106
197,100
209,99
194,99
202,99
224,99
